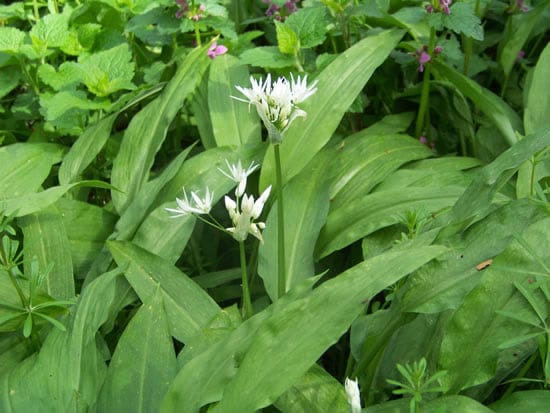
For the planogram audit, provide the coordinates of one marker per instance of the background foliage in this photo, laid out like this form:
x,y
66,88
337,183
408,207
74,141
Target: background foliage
x,y
416,207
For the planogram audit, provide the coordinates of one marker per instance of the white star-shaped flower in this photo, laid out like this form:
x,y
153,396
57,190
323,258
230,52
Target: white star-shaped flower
x,y
242,220
276,103
196,205
239,175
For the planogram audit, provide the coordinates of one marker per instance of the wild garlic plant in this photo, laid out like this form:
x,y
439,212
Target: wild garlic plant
x,y
244,212
277,104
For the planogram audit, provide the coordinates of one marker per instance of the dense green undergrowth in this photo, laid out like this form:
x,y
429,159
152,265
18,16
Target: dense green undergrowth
x,y
400,216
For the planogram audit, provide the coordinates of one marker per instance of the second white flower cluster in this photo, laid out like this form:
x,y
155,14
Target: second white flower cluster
x,y
243,211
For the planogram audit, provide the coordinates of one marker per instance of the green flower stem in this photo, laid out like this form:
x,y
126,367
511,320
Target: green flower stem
x,y
281,290
425,93
247,302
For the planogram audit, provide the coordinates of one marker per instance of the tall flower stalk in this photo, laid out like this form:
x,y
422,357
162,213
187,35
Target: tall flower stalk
x,y
243,212
277,105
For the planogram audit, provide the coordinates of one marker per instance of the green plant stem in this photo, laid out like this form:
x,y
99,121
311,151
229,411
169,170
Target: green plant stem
x,y
533,176
35,8
197,35
281,286
425,93
247,302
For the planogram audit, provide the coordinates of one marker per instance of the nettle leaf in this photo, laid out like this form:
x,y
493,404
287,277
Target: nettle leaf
x,y
57,105
109,71
287,39
15,10
310,25
462,19
69,73
267,56
154,27
50,31
11,39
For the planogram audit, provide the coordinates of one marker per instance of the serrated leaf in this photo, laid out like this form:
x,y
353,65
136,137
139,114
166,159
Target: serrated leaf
x,y
55,106
462,19
287,39
310,25
69,74
267,57
50,31
14,10
109,71
11,39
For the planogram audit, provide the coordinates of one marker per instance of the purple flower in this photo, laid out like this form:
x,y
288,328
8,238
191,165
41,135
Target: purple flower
x,y
183,8
423,58
423,140
438,49
291,6
521,55
272,9
444,5
216,50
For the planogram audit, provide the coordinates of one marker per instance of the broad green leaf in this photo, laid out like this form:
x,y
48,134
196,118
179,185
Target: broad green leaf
x,y
306,203
310,26
266,56
154,27
46,239
108,71
478,197
88,227
50,31
83,152
498,112
148,128
188,307
537,107
443,285
300,332
13,350
338,86
454,403
370,213
14,10
11,39
25,166
232,122
199,106
517,32
292,332
477,325
364,159
57,105
9,79
34,202
315,391
144,362
67,373
523,401
146,200
68,74
287,40
391,124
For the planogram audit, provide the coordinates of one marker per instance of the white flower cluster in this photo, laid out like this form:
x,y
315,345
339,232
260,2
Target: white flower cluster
x,y
243,212
353,395
276,103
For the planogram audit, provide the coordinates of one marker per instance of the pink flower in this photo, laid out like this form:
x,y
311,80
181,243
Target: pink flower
x,y
423,140
216,50
423,58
